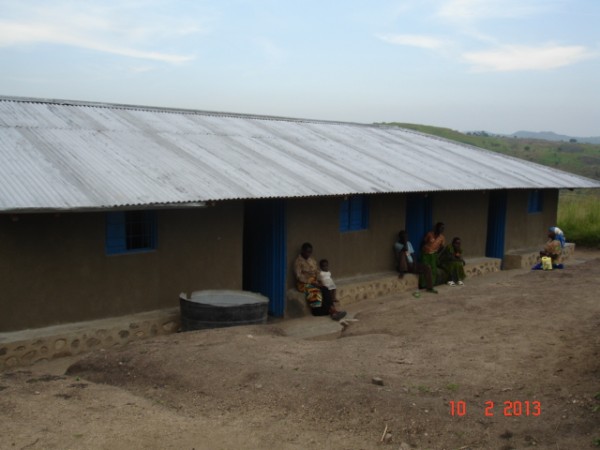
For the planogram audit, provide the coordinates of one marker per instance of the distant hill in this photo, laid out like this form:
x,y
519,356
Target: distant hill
x,y
551,136
576,157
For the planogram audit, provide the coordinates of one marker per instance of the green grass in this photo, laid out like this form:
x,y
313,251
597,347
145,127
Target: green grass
x,y
579,217
452,387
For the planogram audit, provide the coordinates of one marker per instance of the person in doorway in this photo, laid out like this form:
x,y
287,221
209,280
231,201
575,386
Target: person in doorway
x,y
452,262
433,244
318,296
405,260
325,279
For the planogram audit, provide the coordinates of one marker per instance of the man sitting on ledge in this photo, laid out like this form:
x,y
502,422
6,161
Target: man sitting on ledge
x,y
318,296
406,263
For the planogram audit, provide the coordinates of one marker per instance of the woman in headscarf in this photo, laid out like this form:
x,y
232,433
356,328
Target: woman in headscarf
x,y
554,245
559,235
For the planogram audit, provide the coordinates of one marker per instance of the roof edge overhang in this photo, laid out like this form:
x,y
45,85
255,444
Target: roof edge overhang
x,y
211,202
154,206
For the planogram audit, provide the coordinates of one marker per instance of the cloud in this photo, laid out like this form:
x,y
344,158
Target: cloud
x,y
413,40
18,33
116,30
522,58
466,10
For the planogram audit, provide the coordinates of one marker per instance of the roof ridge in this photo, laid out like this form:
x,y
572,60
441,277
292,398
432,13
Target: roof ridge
x,y
165,109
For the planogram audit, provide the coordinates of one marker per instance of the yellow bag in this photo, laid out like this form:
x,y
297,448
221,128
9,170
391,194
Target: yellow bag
x,y
546,263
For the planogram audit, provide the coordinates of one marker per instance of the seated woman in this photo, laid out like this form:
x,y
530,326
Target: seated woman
x,y
318,296
554,247
452,262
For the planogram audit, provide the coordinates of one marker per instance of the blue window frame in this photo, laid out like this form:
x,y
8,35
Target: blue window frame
x,y
130,232
535,203
354,213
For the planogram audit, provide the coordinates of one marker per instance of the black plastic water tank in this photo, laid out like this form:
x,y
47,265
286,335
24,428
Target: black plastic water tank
x,y
222,308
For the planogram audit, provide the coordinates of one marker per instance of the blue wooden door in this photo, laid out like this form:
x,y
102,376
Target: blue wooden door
x,y
265,251
496,226
419,218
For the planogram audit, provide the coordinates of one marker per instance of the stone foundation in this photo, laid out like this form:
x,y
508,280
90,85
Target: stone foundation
x,y
528,257
22,348
351,290
371,286
482,266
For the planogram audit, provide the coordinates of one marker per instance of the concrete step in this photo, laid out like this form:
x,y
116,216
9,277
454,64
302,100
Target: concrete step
x,y
525,258
364,287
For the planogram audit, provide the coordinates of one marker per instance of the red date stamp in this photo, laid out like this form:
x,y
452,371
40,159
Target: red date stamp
x,y
515,408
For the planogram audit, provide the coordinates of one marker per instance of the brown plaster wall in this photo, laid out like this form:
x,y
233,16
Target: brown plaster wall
x,y
54,269
527,230
316,220
465,215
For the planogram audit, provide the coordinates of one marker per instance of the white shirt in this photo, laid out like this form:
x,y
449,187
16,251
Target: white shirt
x,y
326,280
398,247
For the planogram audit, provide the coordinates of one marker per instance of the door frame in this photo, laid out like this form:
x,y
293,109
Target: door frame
x,y
264,251
496,224
419,218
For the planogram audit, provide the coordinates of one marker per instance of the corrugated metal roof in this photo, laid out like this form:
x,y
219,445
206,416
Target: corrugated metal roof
x,y
75,155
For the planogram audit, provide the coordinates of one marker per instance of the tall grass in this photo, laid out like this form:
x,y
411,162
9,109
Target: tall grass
x,y
579,217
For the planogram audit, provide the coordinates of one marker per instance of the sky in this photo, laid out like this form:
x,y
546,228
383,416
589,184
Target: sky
x,y
494,65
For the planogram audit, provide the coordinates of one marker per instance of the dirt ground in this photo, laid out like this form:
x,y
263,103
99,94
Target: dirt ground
x,y
526,337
